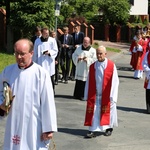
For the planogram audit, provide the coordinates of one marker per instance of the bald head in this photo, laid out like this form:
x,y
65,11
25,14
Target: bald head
x,y
102,48
86,42
26,43
23,52
101,53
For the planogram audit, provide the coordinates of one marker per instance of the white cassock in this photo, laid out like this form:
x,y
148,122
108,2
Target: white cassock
x,y
46,61
146,68
100,66
82,67
33,109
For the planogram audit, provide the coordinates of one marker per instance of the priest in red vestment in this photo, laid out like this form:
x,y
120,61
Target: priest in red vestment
x,y
101,92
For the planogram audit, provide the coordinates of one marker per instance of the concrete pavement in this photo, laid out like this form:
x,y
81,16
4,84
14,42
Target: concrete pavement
x,y
133,132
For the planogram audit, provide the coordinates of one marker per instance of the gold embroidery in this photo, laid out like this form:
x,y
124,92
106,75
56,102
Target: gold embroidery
x,y
105,109
89,109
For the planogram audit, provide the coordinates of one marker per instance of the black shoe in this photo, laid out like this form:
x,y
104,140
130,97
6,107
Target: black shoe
x,y
56,83
136,78
90,134
148,108
72,79
62,80
108,132
81,99
66,82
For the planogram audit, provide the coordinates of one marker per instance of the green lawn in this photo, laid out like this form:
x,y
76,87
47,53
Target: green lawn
x,y
5,60
95,45
113,49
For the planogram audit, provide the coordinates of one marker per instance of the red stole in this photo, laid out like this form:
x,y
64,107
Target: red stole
x,y
105,101
148,58
146,80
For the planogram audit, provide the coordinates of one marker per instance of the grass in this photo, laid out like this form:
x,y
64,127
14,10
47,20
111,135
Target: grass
x,y
113,49
5,60
95,45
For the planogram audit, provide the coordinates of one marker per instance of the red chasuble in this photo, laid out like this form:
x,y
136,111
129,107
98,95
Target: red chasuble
x,y
146,80
105,101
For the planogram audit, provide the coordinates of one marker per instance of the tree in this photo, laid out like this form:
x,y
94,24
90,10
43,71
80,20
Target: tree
x,y
116,11
81,8
27,14
2,3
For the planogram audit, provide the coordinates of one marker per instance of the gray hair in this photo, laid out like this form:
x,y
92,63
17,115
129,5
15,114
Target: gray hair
x,y
102,47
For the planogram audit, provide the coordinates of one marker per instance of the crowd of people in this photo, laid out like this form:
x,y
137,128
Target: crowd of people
x,y
45,61
138,49
140,59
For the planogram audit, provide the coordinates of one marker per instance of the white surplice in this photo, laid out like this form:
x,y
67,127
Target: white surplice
x,y
33,109
146,68
99,67
82,67
46,61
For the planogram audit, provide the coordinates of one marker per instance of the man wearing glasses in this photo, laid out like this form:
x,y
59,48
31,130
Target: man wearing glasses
x,y
31,111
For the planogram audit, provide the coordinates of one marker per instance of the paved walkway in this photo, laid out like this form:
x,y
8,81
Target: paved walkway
x,y
118,45
132,133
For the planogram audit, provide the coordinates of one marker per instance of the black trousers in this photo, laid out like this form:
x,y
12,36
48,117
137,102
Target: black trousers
x,y
56,72
53,83
65,66
73,69
148,100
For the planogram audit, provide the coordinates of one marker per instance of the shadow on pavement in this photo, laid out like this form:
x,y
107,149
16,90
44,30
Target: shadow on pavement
x,y
143,111
129,77
64,96
125,68
77,132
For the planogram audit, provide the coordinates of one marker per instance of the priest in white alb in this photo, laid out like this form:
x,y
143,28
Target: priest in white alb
x,y
32,114
45,52
82,57
101,93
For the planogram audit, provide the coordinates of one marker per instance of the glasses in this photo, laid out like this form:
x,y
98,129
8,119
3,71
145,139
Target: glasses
x,y
21,54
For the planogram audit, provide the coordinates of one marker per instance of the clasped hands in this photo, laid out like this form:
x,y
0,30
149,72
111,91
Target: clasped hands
x,y
82,58
65,45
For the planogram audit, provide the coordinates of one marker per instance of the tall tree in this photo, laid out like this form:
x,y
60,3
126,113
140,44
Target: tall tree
x,y
115,11
2,3
27,14
82,8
